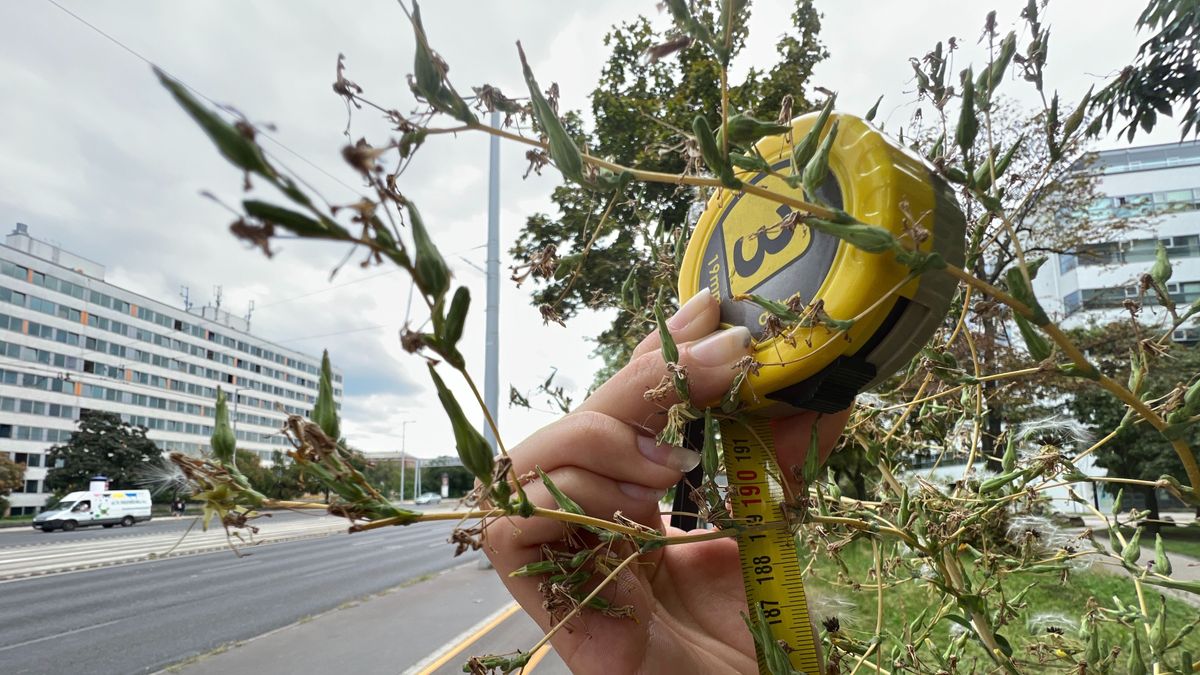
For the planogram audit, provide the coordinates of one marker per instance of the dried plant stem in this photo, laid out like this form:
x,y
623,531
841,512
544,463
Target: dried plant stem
x,y
868,527
674,178
1191,467
587,249
878,613
949,565
957,388
583,603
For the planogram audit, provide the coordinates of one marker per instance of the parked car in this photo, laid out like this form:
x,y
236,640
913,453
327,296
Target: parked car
x,y
105,507
429,498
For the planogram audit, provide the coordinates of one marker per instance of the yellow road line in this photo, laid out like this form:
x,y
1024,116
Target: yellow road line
x,y
537,657
469,640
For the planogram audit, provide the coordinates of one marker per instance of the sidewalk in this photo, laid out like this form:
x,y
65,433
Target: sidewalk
x,y
431,626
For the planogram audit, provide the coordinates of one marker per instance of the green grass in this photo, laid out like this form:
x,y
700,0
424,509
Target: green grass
x,y
1050,602
16,521
1181,540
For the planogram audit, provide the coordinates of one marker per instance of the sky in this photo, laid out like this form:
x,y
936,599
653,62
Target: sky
x,y
96,157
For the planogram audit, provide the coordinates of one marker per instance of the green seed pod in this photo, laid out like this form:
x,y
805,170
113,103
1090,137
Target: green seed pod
x,y
938,147
223,441
473,449
1093,654
968,124
1116,507
1009,461
1162,564
1039,347
993,484
580,558
534,569
324,412
1020,290
1076,118
869,238
563,150
812,458
709,456
293,221
835,490
991,77
1133,548
1187,662
1160,271
803,151
429,270
817,168
629,291
714,158
564,502
1158,631
457,316
1135,665
241,151
745,130
870,116
772,307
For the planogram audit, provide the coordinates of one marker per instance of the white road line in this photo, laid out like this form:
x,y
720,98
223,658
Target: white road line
x,y
59,635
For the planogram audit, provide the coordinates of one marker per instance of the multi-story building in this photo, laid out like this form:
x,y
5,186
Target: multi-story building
x,y
1159,186
69,342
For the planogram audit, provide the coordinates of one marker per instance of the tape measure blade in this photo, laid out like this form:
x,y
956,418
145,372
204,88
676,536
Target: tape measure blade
x,y
771,568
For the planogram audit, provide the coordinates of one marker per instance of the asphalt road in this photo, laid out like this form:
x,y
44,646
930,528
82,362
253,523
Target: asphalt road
x,y
146,616
20,536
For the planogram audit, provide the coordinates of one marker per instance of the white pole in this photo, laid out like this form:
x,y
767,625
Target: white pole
x,y
491,384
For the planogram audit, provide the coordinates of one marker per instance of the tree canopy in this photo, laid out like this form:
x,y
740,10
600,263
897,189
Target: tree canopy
x,y
103,445
642,107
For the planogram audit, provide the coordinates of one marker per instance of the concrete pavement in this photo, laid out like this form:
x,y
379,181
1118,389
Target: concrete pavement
x,y
426,628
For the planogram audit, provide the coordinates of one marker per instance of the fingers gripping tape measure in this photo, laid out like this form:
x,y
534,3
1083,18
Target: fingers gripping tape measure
x,y
735,250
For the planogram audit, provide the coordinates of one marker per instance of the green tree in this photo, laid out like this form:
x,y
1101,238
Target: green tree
x,y
103,445
461,480
1137,451
641,108
12,477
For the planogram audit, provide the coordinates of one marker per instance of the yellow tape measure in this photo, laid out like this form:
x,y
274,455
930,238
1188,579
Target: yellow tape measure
x,y
737,248
770,565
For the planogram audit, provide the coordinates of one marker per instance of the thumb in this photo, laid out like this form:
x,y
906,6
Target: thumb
x,y
641,391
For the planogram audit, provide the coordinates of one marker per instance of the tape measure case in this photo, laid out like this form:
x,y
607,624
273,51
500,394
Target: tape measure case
x,y
735,250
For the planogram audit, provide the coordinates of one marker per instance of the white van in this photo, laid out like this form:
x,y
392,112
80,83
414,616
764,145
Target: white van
x,y
105,507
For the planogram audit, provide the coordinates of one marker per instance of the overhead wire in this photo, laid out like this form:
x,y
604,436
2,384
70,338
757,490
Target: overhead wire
x,y
201,94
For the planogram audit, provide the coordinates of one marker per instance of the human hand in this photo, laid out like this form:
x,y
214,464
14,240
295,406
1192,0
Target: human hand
x,y
687,600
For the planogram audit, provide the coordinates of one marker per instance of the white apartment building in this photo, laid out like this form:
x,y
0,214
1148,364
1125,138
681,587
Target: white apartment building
x,y
69,341
1157,183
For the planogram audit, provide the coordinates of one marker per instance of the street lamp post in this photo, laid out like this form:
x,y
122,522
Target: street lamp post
x,y
403,454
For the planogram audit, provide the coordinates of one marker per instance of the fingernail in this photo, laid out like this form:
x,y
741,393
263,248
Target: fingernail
x,y
722,347
641,492
680,459
690,310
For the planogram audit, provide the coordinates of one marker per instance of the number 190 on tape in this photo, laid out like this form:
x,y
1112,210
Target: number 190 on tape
x,y
770,564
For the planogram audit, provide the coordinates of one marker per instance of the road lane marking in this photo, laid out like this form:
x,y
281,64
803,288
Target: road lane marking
x,y
60,635
467,638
